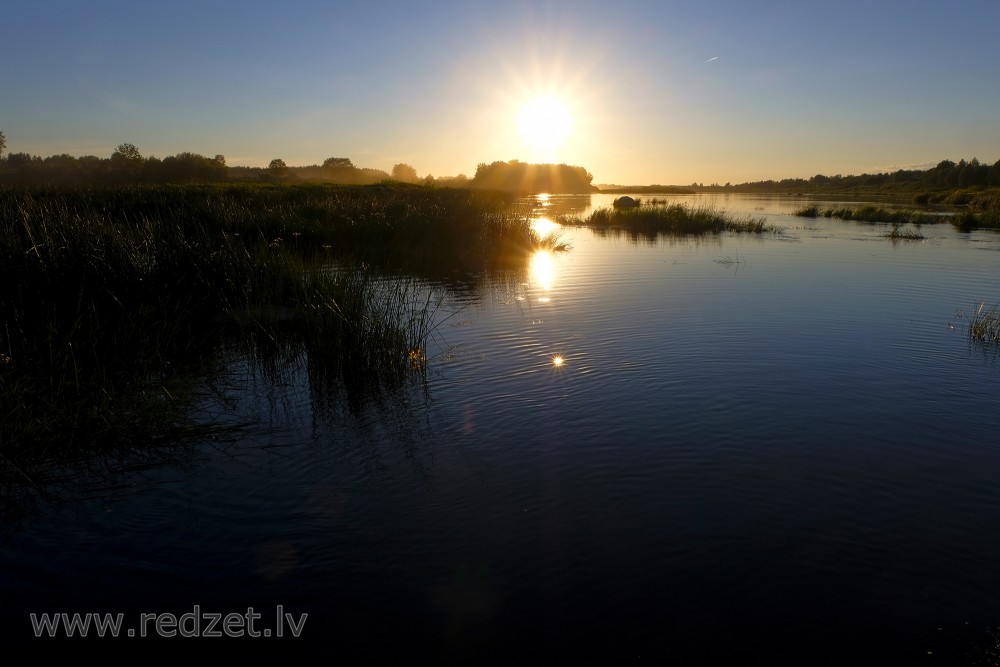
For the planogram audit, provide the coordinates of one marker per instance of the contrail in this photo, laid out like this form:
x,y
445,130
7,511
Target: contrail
x,y
712,58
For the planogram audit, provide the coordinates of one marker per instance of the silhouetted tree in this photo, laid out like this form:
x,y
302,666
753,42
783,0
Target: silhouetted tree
x,y
338,163
126,153
340,170
369,175
277,170
126,162
186,168
3,144
24,166
525,178
973,174
61,168
89,162
460,181
404,173
19,159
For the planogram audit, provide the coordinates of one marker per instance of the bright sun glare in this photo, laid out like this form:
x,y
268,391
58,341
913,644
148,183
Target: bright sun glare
x,y
542,270
545,123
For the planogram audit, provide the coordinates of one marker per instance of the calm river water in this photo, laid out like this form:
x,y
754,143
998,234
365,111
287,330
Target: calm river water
x,y
756,449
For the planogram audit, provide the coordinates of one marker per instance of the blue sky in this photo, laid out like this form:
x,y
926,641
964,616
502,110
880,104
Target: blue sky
x,y
659,92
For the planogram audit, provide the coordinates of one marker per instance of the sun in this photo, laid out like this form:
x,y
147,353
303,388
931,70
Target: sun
x,y
545,123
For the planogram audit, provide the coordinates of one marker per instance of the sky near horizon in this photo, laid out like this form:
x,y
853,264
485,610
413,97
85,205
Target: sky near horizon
x,y
649,92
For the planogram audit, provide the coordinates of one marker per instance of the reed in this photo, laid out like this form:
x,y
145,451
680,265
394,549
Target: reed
x,y
678,219
984,324
553,242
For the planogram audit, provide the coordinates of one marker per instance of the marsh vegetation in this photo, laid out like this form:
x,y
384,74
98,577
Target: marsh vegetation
x,y
965,219
680,219
870,213
108,292
984,324
970,219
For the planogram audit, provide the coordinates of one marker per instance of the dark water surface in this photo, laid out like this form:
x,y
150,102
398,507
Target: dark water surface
x,y
757,450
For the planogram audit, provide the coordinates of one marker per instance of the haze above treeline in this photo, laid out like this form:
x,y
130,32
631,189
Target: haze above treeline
x,y
128,165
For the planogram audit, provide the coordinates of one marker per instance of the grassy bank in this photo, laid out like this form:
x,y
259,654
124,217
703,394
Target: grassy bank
x,y
105,292
676,219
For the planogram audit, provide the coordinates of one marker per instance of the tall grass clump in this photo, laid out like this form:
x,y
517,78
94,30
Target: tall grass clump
x,y
984,324
677,219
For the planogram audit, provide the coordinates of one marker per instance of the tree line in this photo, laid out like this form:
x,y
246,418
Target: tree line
x,y
946,175
127,165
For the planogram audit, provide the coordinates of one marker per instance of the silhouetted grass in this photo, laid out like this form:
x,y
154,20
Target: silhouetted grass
x,y
808,212
672,219
552,242
984,324
104,292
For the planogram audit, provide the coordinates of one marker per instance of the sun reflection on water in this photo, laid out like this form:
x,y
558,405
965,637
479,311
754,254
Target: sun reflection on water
x,y
542,270
544,226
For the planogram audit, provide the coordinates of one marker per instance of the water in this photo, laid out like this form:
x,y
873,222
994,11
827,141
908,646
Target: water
x,y
756,449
